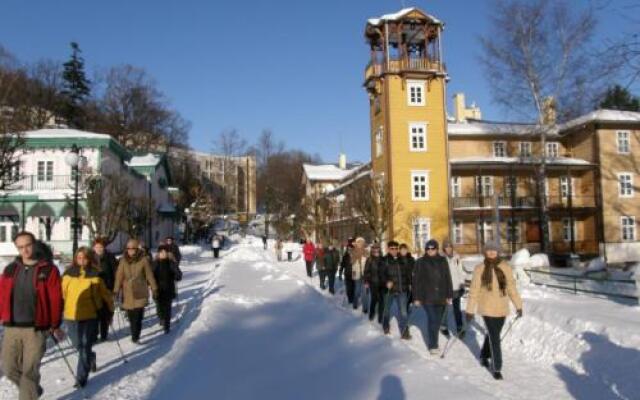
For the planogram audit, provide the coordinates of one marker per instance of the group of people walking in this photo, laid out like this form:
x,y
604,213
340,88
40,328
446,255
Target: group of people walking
x,y
397,284
36,302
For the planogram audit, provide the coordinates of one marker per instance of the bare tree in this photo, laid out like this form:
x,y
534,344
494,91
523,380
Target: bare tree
x,y
140,213
540,63
108,198
371,203
230,145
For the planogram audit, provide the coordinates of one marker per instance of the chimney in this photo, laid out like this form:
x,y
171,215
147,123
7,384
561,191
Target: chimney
x,y
342,161
459,107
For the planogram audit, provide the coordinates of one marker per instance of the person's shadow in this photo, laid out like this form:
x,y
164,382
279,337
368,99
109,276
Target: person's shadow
x,y
391,389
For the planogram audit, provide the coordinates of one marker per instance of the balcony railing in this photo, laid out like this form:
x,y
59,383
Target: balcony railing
x,y
41,183
404,65
521,202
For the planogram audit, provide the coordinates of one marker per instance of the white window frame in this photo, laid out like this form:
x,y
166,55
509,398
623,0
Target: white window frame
x,y
458,232
456,186
499,144
417,175
518,231
487,230
628,229
48,167
414,132
623,190
419,233
564,187
623,139
481,181
416,89
566,229
379,141
526,145
553,149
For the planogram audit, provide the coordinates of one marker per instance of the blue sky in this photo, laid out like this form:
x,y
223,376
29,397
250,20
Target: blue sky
x,y
295,67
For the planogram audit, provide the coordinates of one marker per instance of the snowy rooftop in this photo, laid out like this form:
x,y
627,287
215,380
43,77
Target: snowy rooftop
x,y
326,172
146,160
603,116
64,133
518,160
398,15
491,128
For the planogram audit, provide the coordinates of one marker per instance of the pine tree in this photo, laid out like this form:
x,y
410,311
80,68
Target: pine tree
x,y
619,98
76,89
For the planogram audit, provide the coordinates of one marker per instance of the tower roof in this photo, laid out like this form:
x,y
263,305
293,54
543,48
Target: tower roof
x,y
414,12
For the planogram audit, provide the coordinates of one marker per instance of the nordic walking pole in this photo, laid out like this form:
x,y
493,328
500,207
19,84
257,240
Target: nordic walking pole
x,y
450,341
115,336
64,357
511,324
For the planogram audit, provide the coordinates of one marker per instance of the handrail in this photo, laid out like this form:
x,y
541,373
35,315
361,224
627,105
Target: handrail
x,y
575,280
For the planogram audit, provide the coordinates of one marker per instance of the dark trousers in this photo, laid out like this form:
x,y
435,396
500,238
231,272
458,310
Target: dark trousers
x,y
457,312
309,265
163,305
135,322
322,276
350,287
434,315
82,335
105,321
491,347
216,252
376,306
332,280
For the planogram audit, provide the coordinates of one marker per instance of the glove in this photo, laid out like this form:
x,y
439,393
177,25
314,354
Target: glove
x,y
469,317
519,313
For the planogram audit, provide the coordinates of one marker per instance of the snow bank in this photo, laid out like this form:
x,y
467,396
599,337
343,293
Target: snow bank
x,y
597,264
539,260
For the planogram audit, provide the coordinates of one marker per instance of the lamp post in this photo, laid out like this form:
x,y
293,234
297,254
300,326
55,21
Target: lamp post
x,y
73,160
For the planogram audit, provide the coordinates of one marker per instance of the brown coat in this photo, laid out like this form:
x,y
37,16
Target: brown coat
x,y
133,279
492,303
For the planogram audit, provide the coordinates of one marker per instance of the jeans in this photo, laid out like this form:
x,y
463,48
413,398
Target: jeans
x,y
322,277
82,335
309,265
434,315
457,313
365,298
396,305
135,322
349,286
332,280
491,347
22,351
105,320
357,293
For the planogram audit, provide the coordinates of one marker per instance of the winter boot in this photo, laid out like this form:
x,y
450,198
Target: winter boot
x,y
406,335
386,331
484,362
497,376
434,352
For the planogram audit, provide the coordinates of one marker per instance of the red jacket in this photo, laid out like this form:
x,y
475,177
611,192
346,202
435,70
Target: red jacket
x,y
309,251
48,294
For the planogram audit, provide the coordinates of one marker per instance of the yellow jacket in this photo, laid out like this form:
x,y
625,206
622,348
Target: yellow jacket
x,y
84,294
493,303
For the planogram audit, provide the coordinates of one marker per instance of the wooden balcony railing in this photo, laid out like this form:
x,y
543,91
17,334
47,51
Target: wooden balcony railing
x,y
404,65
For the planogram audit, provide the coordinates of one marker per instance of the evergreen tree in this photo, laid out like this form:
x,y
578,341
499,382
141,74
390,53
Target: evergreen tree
x,y
619,98
76,89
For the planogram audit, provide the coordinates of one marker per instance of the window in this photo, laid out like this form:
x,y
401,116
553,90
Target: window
x,y
420,185
379,141
499,149
421,232
564,187
14,172
625,184
484,185
525,149
415,91
456,186
566,229
628,226
510,186
485,228
45,171
457,232
553,149
418,137
623,142
513,231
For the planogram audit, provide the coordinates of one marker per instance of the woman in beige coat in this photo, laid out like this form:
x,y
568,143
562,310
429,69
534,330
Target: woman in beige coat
x,y
133,280
492,286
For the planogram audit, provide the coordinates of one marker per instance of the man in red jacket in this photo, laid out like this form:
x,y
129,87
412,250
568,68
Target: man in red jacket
x,y
30,309
309,251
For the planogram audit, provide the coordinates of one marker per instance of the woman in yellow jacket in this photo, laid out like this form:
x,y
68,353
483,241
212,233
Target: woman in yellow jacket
x,y
85,294
492,286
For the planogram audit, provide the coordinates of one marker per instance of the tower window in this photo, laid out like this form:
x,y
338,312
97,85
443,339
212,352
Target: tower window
x,y
420,185
418,137
379,141
421,232
623,142
628,226
625,184
415,91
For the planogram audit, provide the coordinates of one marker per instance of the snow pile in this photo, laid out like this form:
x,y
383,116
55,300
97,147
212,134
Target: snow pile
x,y
597,264
539,260
519,261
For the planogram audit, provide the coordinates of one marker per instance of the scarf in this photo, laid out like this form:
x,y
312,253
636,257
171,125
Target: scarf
x,y
491,266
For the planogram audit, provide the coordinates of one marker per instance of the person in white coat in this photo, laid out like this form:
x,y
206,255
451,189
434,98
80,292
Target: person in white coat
x,y
215,245
458,282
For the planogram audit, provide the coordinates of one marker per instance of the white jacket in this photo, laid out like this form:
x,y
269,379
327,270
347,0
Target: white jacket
x,y
457,273
357,268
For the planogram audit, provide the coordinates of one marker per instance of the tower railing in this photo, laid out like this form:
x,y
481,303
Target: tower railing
x,y
404,65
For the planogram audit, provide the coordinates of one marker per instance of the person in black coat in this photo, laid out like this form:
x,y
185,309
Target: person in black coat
x,y
167,273
107,264
397,275
173,249
408,259
432,289
374,281
331,261
345,267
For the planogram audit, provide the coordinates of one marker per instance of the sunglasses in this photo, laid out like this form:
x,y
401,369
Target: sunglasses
x,y
393,248
431,248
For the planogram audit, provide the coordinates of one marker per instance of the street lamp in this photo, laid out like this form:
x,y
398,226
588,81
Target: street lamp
x,y
73,160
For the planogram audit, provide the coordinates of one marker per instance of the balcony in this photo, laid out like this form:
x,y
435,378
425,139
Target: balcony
x,y
31,183
404,65
521,202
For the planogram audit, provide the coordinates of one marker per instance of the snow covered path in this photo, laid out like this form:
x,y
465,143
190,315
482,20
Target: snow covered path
x,y
250,327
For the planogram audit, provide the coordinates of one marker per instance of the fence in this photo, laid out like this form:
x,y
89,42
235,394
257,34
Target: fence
x,y
620,288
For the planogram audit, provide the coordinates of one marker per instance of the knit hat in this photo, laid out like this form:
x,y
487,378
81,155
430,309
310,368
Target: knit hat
x,y
491,245
431,244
